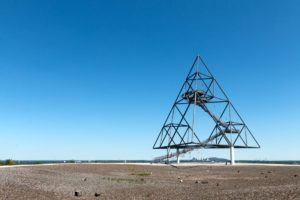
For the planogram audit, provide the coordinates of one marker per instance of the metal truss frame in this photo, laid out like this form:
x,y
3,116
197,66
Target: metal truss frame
x,y
219,136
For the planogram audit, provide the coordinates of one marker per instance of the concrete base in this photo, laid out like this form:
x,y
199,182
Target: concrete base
x,y
232,155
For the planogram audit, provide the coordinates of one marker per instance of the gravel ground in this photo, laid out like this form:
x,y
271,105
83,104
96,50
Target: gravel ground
x,y
117,181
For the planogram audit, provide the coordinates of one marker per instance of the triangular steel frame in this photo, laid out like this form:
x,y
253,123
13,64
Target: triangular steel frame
x,y
190,95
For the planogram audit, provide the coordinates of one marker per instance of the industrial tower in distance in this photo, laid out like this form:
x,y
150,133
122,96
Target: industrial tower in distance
x,y
202,117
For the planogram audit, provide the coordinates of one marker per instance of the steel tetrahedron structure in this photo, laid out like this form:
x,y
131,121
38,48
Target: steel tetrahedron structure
x,y
203,117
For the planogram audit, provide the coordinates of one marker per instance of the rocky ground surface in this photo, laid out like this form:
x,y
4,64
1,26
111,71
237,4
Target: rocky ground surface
x,y
117,181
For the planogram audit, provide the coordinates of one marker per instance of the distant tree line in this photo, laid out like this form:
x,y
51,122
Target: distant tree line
x,y
7,162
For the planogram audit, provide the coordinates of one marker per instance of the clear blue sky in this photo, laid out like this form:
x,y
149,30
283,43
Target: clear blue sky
x,y
96,79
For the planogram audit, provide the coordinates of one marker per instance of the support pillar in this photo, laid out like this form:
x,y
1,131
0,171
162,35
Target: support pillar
x,y
168,155
178,156
232,155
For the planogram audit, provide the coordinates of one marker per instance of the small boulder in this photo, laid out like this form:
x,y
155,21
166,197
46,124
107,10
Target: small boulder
x,y
181,181
97,194
77,193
